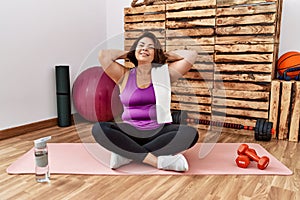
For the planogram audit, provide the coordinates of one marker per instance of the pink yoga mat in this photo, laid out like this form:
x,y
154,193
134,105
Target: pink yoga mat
x,y
76,158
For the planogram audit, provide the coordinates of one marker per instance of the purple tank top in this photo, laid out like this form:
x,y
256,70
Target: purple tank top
x,y
139,104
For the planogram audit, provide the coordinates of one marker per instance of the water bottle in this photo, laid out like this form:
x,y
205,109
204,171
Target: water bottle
x,y
42,173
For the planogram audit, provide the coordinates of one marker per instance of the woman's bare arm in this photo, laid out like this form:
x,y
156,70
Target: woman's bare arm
x,y
113,69
181,61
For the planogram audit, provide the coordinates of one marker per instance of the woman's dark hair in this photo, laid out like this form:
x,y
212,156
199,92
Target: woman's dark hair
x,y
159,56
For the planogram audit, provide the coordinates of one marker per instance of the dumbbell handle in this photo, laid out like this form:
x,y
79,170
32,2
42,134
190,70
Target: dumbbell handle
x,y
252,155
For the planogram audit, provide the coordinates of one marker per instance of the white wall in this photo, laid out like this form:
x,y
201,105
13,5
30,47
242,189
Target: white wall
x,y
34,37
114,32
290,29
115,17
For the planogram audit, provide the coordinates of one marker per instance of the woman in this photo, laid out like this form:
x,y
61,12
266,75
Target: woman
x,y
142,136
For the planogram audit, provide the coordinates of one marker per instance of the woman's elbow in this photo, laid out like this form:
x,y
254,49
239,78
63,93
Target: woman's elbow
x,y
103,58
192,57
100,56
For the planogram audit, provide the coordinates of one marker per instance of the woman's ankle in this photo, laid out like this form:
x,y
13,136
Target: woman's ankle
x,y
150,159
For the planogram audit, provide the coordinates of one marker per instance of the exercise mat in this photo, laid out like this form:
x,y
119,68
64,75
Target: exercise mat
x,y
76,158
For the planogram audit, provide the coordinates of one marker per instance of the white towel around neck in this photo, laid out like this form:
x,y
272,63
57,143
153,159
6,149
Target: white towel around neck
x,y
162,89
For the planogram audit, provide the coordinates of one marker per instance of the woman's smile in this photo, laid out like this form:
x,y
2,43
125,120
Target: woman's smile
x,y
144,53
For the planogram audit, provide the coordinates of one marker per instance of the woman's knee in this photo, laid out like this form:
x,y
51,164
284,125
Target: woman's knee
x,y
196,137
98,130
189,130
191,133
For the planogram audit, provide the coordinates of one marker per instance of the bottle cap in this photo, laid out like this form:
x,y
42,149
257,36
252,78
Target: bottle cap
x,y
41,143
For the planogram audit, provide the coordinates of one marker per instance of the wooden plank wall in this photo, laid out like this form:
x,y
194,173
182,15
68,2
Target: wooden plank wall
x,y
244,56
140,19
190,25
237,45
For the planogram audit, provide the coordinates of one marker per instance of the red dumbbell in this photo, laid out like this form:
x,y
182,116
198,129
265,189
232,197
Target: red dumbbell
x,y
252,151
242,161
262,162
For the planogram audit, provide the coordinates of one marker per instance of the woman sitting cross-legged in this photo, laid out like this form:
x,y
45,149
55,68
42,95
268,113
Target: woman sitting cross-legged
x,y
146,133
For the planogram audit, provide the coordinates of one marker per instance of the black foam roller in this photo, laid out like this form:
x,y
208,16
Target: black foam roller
x,y
62,79
63,96
63,110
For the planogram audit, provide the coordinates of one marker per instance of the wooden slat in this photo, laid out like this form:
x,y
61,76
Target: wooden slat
x,y
190,32
130,42
191,14
207,58
242,30
191,98
190,23
284,110
132,34
190,41
242,86
199,75
191,4
259,58
274,104
208,49
194,83
242,113
204,67
142,18
274,64
194,115
191,107
279,4
191,90
243,67
135,34
127,48
145,25
251,95
249,9
245,40
223,3
244,77
243,20
241,104
144,9
295,113
238,48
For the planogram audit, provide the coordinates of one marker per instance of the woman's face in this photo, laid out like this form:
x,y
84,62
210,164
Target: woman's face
x,y
145,50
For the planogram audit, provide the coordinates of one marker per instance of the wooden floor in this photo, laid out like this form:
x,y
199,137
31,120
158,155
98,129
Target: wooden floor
x,y
149,186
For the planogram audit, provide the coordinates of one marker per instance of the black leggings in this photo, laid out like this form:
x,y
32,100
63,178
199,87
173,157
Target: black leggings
x,y
135,144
